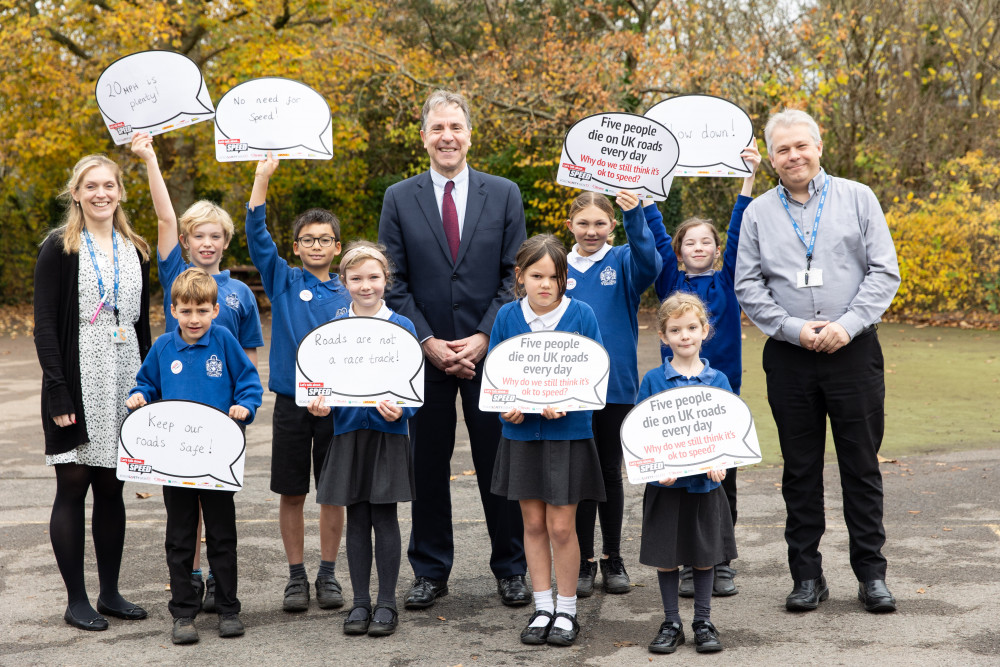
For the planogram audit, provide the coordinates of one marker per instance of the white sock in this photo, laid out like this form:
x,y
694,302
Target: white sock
x,y
566,605
543,602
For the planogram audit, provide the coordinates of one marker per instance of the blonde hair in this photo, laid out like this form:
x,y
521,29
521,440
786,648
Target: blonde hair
x,y
194,286
73,221
359,252
688,225
679,304
205,212
588,199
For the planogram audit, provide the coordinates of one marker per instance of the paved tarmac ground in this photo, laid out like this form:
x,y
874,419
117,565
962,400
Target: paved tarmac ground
x,y
942,517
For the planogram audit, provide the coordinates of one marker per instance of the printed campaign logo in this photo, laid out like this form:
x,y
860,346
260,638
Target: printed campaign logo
x,y
233,301
609,276
234,145
213,367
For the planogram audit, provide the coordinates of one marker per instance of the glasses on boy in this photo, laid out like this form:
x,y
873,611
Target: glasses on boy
x,y
309,241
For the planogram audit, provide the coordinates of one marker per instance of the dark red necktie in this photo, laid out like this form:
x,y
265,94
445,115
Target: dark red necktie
x,y
449,215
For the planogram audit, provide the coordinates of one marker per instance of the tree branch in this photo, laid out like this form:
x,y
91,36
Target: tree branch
x,y
60,38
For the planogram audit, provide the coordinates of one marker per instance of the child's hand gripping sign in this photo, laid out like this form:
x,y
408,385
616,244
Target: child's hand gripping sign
x,y
181,443
533,371
152,91
685,431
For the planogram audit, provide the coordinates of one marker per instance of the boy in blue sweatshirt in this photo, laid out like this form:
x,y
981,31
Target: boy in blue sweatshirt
x,y
199,362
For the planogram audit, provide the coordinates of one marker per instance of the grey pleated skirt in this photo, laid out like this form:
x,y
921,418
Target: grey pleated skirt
x,y
366,466
681,528
559,472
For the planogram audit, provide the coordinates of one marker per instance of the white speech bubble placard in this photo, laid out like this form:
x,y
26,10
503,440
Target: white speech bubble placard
x,y
711,131
359,361
152,91
542,369
686,431
181,443
272,114
608,152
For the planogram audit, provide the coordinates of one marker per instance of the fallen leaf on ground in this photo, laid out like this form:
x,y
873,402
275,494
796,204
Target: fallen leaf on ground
x,y
624,644
453,478
915,511
947,530
143,495
468,472
921,591
442,618
882,459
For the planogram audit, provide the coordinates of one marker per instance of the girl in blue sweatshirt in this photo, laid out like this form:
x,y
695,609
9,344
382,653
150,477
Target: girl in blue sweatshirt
x,y
611,280
697,246
547,462
368,467
686,520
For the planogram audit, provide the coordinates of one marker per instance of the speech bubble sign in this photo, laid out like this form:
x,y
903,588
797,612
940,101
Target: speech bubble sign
x,y
711,131
152,91
181,443
272,114
542,369
686,431
359,361
608,152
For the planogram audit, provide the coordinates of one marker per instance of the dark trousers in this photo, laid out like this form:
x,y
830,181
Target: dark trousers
x,y
432,437
803,388
607,425
219,511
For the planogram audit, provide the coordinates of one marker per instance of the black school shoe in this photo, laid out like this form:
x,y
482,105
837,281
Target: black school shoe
x,y
358,627
723,586
670,636
614,576
97,623
706,637
383,629
585,582
560,637
208,605
537,635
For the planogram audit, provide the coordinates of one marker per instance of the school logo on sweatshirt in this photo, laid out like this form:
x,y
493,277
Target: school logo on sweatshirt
x,y
233,301
213,367
609,276
341,312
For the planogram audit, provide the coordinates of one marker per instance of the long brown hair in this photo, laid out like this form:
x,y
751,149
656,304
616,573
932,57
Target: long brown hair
x,y
533,250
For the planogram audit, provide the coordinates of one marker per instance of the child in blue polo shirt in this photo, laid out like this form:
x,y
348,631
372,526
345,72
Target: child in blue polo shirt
x,y
611,280
301,299
199,362
205,232
547,462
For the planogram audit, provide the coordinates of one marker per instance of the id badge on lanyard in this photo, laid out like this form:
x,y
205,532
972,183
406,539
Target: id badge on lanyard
x,y
810,277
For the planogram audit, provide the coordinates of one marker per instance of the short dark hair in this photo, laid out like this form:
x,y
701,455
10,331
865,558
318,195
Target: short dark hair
x,y
316,216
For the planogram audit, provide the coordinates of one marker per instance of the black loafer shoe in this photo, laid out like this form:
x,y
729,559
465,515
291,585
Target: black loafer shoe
x,y
538,634
706,637
670,636
685,585
132,612
614,576
585,582
96,623
807,594
423,592
358,627
874,594
558,636
380,629
724,585
513,591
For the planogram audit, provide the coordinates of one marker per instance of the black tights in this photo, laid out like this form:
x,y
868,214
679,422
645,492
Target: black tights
x,y
66,529
607,424
361,519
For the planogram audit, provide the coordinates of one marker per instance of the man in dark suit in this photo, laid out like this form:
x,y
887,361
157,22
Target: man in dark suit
x,y
452,233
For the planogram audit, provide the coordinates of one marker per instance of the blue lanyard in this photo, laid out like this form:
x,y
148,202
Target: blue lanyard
x,y
815,230
97,269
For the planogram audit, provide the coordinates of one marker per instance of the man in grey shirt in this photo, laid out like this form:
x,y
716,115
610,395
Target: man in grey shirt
x,y
816,270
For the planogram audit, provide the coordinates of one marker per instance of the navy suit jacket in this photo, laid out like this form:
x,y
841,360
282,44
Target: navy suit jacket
x,y
444,298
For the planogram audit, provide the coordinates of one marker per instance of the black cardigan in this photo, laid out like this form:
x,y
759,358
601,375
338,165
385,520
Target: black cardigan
x,y
57,340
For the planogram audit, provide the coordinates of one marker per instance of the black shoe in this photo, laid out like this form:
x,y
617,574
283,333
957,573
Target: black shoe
x,y
513,591
230,625
670,636
724,585
685,584
131,612
95,623
329,595
874,594
380,629
184,631
706,637
558,636
423,592
358,627
296,594
536,635
585,583
614,576
198,584
208,605
807,594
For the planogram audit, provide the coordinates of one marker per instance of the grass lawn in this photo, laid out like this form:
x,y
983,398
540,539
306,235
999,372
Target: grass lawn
x,y
942,390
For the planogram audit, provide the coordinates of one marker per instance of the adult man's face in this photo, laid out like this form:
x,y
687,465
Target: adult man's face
x,y
795,156
447,138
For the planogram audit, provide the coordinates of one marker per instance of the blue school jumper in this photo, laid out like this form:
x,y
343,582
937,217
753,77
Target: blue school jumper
x,y
665,377
299,301
613,288
213,370
578,318
237,304
715,288
347,419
